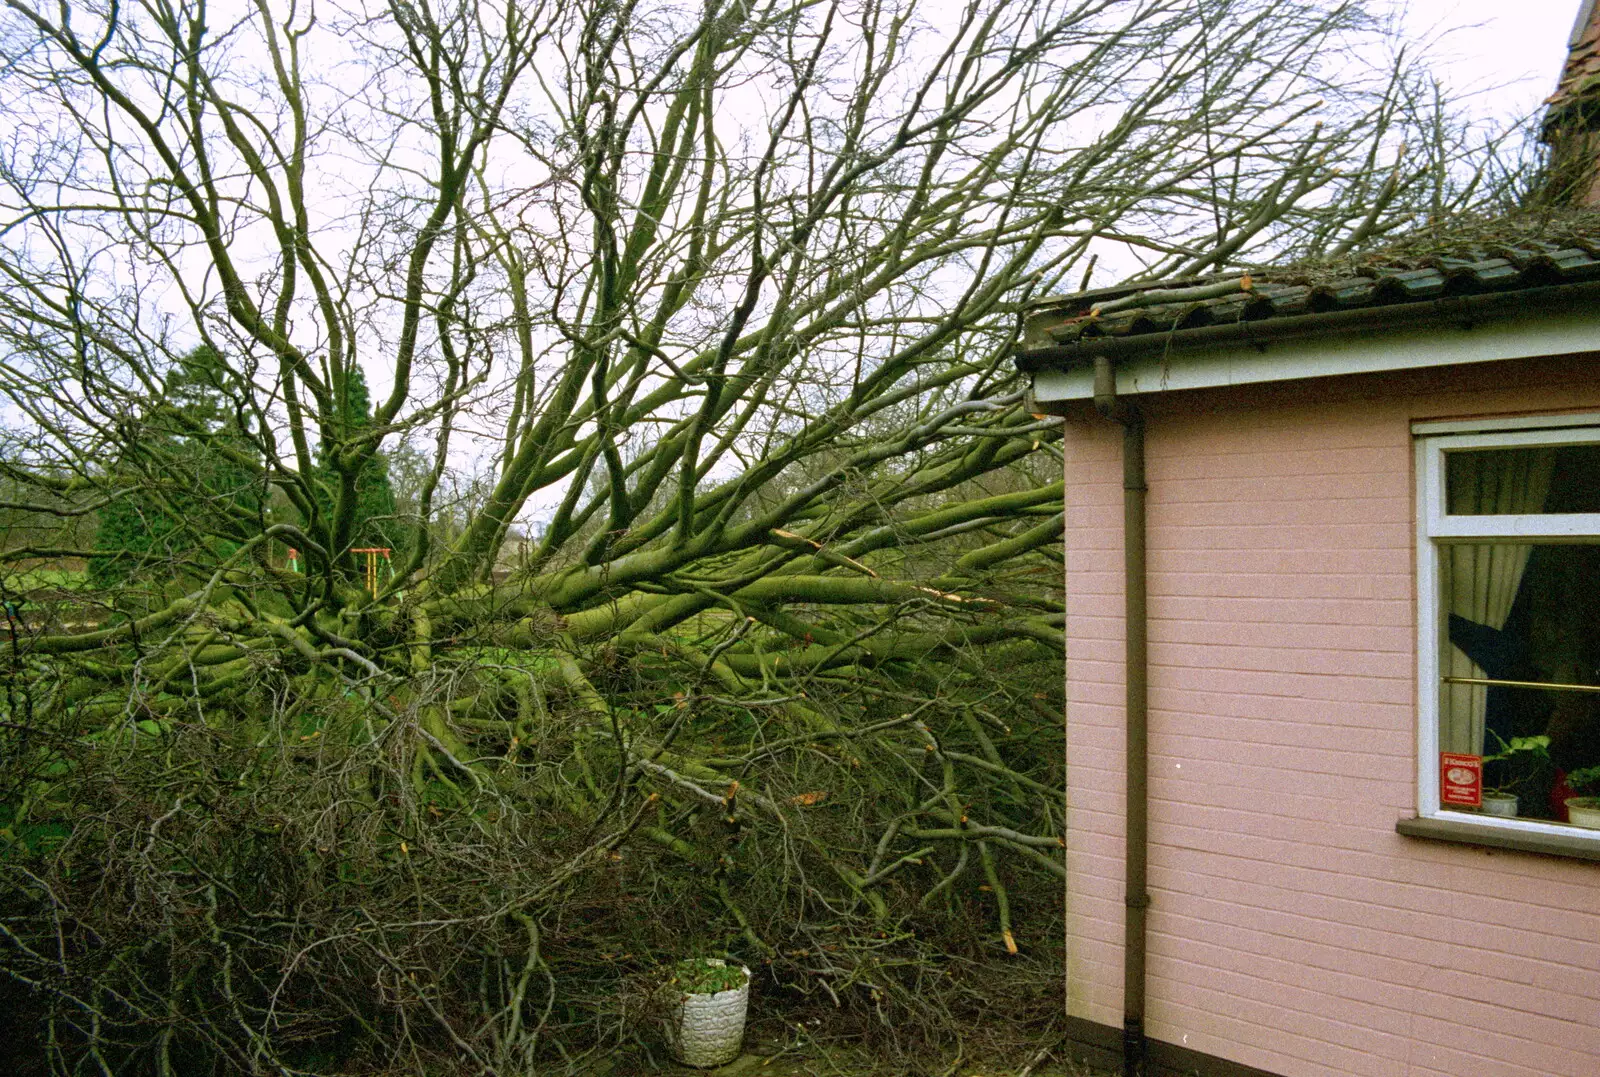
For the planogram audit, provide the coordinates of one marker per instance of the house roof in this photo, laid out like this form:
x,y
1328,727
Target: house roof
x,y
1581,74
1463,264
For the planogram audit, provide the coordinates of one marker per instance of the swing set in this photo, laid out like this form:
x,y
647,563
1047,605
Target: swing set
x,y
376,560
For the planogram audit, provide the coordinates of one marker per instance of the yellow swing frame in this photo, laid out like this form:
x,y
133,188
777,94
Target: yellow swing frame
x,y
370,553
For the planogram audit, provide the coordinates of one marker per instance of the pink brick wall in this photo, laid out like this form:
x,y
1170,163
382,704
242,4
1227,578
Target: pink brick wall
x,y
1291,928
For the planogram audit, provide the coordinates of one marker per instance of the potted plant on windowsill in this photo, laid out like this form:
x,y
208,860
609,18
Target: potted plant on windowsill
x,y
1501,802
1584,810
1516,755
706,1003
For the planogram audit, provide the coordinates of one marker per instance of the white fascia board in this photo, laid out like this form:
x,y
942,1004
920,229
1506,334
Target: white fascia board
x,y
1364,351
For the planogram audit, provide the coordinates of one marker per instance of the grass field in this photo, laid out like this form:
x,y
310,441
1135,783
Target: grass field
x,y
42,578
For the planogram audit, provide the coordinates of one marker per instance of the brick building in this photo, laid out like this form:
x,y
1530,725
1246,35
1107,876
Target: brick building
x,y
1333,574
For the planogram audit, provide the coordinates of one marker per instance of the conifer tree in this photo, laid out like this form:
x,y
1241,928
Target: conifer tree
x,y
376,521
182,492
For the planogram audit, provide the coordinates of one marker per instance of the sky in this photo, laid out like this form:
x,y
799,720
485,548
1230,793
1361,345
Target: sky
x,y
1510,51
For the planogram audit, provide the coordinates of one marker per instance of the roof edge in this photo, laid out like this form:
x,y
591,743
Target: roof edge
x,y
1463,311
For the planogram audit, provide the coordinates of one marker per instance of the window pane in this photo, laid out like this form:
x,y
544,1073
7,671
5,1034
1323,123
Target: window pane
x,y
1529,613
1502,482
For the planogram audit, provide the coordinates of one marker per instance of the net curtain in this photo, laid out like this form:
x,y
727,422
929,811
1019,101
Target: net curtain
x,y
1481,580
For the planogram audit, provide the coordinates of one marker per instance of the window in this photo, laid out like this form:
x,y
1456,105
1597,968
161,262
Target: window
x,y
1508,558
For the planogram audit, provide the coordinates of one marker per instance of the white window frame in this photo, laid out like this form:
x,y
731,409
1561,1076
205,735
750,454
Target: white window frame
x,y
1436,528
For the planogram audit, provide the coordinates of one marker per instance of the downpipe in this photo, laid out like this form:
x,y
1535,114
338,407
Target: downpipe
x,y
1136,898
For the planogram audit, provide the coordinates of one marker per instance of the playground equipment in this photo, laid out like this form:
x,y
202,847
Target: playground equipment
x,y
376,558
372,554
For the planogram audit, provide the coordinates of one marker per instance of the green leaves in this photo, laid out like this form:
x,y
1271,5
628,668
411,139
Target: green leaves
x,y
706,976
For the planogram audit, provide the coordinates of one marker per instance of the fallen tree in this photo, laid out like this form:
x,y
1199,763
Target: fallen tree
x,y
727,616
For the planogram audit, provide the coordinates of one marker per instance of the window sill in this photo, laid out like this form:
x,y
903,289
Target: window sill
x,y
1574,847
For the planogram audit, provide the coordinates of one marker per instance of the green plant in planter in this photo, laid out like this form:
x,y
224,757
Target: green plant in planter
x,y
1520,755
1584,809
705,976
1585,782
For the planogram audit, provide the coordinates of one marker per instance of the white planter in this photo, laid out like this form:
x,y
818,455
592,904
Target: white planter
x,y
708,1030
1502,804
1584,811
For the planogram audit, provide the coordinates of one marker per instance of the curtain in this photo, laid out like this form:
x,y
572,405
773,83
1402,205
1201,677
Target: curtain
x,y
1481,581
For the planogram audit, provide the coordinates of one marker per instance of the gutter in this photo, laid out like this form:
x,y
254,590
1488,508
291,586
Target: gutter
x,y
1136,898
1460,311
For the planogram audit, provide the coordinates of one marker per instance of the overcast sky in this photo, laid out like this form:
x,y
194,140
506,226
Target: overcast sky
x,y
1511,50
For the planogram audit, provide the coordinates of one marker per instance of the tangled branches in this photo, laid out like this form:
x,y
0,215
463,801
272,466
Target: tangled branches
x,y
485,862
724,608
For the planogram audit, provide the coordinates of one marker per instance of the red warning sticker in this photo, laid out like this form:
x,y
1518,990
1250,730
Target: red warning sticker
x,y
1461,779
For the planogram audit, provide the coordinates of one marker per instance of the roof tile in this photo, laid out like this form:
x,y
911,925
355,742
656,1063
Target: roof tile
x,y
1578,77
1517,252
